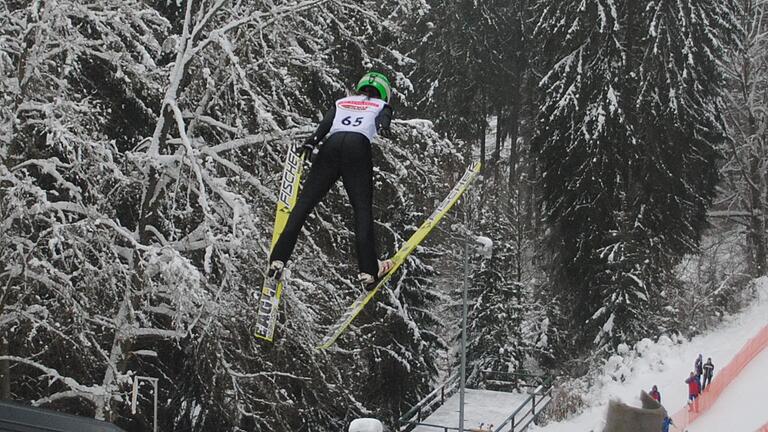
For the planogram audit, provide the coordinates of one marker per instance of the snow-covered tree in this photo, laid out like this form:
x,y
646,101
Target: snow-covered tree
x,y
470,59
744,180
495,336
473,73
503,325
629,135
141,148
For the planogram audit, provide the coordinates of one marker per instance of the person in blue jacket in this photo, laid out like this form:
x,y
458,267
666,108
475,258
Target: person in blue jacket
x,y
665,425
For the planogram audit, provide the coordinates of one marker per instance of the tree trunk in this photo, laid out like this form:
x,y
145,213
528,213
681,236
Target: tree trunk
x,y
481,140
756,229
500,137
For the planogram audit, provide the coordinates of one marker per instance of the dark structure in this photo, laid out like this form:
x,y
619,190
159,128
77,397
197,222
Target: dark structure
x,y
21,418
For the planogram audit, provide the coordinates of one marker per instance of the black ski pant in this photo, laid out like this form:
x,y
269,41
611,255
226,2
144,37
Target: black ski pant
x,y
346,155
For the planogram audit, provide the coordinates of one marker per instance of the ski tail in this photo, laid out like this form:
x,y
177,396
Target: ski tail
x,y
272,290
402,254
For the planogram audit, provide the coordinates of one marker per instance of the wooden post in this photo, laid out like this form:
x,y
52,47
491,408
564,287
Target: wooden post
x,y
5,372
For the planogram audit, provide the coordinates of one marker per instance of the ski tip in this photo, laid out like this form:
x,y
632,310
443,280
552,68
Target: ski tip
x,y
330,339
325,344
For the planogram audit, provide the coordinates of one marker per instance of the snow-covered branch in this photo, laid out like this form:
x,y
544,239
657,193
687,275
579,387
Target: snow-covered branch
x,y
90,393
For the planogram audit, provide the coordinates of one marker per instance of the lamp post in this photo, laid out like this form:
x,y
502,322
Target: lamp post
x,y
135,393
463,368
482,246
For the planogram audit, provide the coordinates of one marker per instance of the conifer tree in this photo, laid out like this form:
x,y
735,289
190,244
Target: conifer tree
x,y
629,135
496,340
467,64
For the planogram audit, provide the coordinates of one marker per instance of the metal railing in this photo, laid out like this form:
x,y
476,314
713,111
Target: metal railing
x,y
519,420
506,381
526,413
426,406
437,428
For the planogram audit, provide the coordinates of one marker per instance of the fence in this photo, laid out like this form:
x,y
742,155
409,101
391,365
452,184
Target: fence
x,y
528,410
511,381
521,418
432,401
722,379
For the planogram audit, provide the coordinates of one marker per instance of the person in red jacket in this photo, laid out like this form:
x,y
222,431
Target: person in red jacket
x,y
655,394
693,387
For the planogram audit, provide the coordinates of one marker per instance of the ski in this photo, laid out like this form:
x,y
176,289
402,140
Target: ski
x,y
416,238
269,297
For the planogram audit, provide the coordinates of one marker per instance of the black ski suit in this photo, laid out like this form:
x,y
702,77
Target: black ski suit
x,y
709,369
346,155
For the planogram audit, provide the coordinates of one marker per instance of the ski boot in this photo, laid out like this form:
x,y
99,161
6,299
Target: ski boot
x,y
276,270
368,282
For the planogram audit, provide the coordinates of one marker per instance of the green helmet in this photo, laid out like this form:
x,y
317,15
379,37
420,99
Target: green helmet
x,y
377,81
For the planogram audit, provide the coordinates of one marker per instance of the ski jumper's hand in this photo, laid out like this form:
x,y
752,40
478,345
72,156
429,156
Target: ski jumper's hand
x,y
382,122
305,148
385,132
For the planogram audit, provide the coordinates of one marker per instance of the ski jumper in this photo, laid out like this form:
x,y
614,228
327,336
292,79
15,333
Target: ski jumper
x,y
350,125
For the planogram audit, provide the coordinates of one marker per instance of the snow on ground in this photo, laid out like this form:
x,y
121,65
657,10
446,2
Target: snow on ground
x,y
742,406
667,364
480,406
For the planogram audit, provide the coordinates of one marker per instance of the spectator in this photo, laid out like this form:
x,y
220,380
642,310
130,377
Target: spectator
x,y
693,387
655,394
665,425
709,370
697,366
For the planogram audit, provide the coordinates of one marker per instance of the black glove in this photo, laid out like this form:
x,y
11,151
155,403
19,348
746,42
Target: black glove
x,y
305,148
385,132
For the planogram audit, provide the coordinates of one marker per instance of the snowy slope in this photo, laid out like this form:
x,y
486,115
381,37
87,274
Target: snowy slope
x,y
484,407
743,406
667,364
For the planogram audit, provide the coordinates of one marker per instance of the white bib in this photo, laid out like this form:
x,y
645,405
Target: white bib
x,y
357,114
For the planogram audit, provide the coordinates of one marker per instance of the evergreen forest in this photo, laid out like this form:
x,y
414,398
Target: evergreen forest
x,y
624,146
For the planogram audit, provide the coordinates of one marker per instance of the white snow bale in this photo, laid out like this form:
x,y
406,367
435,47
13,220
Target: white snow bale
x,y
366,425
484,246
